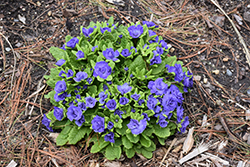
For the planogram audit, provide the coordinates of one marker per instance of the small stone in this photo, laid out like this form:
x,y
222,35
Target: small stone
x,y
49,13
7,49
172,50
245,137
246,16
205,80
248,92
229,73
248,140
218,102
38,3
225,59
197,77
216,72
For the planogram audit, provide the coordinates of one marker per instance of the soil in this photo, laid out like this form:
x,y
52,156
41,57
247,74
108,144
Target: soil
x,y
200,35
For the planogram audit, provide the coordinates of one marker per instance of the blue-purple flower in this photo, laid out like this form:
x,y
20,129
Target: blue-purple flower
x,y
110,54
46,121
137,127
60,73
187,82
60,86
141,101
151,103
111,104
135,31
93,48
60,97
102,97
125,88
179,74
74,113
126,53
98,124
169,102
126,68
60,62
158,86
110,125
162,121
152,33
179,112
132,47
87,32
72,42
123,100
135,96
90,101
70,73
80,76
80,121
58,113
118,112
63,47
79,55
105,29
155,60
163,44
174,90
109,137
150,24
102,69
82,105
184,124
146,116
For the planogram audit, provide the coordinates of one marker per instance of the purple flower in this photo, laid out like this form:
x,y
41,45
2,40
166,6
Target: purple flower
x,y
61,72
70,73
113,25
60,97
78,96
80,121
60,62
179,112
63,47
111,104
146,116
149,24
80,76
174,90
184,124
110,125
163,44
102,97
141,101
158,86
135,96
118,112
79,55
58,113
110,54
131,76
82,105
125,88
152,33
93,48
155,60
109,137
151,103
98,124
105,87
46,121
133,110
162,122
105,29
90,101
137,127
179,74
187,82
120,36
147,47
159,50
72,43
123,100
135,31
133,48
102,69
87,32
60,86
126,68
74,113
169,102
126,53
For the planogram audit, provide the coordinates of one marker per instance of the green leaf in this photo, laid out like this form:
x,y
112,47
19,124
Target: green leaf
x,y
145,141
92,90
51,116
171,60
161,132
122,131
160,67
132,138
58,53
111,20
99,145
76,134
113,152
62,138
138,62
147,154
161,141
127,144
152,147
129,152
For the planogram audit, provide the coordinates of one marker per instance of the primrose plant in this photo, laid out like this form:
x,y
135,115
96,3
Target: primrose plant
x,y
117,88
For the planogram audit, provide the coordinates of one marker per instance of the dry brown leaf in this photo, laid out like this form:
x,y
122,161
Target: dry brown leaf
x,y
188,143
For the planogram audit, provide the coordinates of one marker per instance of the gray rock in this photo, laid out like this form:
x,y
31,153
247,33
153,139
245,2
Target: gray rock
x,y
246,16
248,92
229,73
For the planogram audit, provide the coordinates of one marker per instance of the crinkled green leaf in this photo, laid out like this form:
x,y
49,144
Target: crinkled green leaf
x,y
129,152
137,63
126,142
113,152
145,141
161,132
77,134
58,53
146,154
132,138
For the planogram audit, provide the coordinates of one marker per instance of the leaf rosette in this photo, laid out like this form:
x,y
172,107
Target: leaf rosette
x,y
118,87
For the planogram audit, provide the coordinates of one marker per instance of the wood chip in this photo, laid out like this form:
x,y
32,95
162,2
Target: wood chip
x,y
12,164
189,142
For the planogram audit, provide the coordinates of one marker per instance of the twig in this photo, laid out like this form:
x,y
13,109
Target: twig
x,y
173,142
236,30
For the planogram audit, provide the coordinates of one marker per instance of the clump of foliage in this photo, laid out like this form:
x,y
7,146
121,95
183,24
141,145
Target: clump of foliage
x,y
117,87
